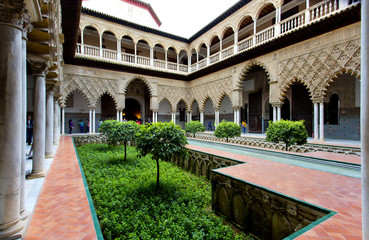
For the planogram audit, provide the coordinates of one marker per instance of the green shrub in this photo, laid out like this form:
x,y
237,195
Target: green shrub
x,y
129,206
108,128
125,132
227,130
288,132
162,140
194,127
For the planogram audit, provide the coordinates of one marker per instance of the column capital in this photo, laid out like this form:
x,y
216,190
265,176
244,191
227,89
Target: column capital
x,y
318,100
39,68
14,12
276,104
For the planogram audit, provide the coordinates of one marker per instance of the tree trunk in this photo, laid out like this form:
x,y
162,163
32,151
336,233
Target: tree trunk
x,y
158,174
286,146
125,151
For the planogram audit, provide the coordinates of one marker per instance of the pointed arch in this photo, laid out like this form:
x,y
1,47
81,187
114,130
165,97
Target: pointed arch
x,y
185,102
170,103
352,72
66,95
203,102
221,98
192,102
144,80
247,69
109,94
284,88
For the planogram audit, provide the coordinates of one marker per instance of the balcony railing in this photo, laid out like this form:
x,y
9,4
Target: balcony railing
x,y
299,20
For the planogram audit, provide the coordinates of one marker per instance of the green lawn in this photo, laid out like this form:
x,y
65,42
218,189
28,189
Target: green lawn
x,y
129,207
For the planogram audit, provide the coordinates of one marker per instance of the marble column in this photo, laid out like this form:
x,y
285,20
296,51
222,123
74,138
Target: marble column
x,y
278,112
49,138
90,121
364,115
93,121
274,113
56,125
321,121
63,121
11,120
316,121
23,212
216,118
188,116
202,117
39,124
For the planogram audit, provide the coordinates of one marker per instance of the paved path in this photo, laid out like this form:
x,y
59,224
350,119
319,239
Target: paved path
x,y
62,210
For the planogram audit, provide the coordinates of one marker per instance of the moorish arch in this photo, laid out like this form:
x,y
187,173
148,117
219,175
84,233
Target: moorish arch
x,y
195,110
165,110
312,67
91,87
142,79
247,69
225,107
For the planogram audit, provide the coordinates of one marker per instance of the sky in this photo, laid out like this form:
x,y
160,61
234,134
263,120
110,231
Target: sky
x,y
186,17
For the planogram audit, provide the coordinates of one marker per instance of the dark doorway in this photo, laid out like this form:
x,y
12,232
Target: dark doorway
x,y
108,110
132,111
331,110
285,111
302,106
255,109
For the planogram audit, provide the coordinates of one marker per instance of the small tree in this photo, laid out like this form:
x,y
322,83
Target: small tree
x,y
227,130
124,133
162,140
108,129
194,127
289,132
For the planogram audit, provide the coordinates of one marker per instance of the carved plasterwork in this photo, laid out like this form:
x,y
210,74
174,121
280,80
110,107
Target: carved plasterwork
x,y
174,95
90,87
214,90
316,69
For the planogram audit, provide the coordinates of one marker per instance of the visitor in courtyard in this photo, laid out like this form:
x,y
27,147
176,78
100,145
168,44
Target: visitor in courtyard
x,y
124,120
210,126
88,126
29,130
148,121
70,126
244,126
80,123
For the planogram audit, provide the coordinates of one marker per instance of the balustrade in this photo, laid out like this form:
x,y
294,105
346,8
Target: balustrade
x,y
314,13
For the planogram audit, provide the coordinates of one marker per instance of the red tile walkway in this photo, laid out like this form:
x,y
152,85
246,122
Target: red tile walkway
x,y
335,192
62,210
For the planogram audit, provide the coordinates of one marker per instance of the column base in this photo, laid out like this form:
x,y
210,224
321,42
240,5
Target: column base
x,y
24,215
36,174
321,140
12,230
49,155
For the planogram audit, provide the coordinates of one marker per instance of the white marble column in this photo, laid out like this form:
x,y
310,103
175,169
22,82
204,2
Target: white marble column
x,y
188,116
90,121
174,117
63,121
49,122
216,118
321,121
316,121
235,115
274,113
23,212
39,123
118,112
56,121
278,112
202,117
11,125
364,115
93,121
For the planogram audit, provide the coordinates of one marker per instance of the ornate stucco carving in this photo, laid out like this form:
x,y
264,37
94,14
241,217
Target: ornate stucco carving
x,y
174,95
318,68
92,88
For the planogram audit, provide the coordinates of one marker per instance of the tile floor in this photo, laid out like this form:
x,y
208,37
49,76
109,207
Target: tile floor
x,y
62,210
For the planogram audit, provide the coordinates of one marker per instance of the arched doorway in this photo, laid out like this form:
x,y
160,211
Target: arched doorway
x,y
76,110
108,108
302,106
137,103
226,110
164,112
286,110
132,111
255,93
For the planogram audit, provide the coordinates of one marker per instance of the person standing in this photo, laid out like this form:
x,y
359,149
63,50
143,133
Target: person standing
x,y
244,126
81,125
88,126
210,127
29,130
70,126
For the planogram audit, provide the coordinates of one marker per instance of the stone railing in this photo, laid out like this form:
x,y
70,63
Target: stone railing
x,y
262,143
315,13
